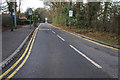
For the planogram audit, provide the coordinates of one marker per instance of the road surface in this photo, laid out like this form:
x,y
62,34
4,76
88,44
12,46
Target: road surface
x,y
55,53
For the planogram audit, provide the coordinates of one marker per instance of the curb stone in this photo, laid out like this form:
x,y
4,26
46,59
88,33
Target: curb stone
x,y
83,36
15,53
114,46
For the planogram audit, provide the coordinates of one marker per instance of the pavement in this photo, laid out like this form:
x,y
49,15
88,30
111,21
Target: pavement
x,y
54,53
12,40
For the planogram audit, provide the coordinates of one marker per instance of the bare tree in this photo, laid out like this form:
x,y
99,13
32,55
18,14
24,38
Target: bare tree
x,y
19,10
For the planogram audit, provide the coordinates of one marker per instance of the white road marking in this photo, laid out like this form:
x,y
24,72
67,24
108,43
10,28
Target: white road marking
x,y
44,29
61,38
97,65
53,32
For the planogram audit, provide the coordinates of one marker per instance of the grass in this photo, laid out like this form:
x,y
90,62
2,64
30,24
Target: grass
x,y
102,36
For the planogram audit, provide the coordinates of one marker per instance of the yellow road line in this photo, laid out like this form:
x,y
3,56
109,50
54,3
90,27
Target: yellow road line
x,y
13,66
16,70
93,41
88,39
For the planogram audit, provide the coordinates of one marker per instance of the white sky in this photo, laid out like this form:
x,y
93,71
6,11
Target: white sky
x,y
27,4
31,4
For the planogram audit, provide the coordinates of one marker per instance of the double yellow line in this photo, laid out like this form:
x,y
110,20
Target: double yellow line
x,y
30,44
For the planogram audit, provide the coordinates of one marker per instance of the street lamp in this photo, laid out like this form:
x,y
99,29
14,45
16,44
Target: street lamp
x,y
30,14
15,13
13,9
70,15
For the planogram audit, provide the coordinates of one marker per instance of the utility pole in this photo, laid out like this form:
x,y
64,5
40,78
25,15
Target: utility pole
x,y
15,14
11,8
70,14
30,22
30,14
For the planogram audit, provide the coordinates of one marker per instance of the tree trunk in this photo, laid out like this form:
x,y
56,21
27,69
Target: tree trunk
x,y
104,16
77,14
89,14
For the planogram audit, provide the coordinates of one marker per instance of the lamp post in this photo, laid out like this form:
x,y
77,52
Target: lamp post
x,y
13,6
30,14
70,15
15,13
11,9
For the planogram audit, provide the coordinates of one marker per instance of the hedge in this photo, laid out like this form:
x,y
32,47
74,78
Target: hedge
x,y
23,21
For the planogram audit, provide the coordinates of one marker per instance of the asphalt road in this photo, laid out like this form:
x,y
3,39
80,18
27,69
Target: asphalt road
x,y
58,54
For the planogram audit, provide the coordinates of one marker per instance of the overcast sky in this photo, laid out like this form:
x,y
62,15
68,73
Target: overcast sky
x,y
31,4
27,4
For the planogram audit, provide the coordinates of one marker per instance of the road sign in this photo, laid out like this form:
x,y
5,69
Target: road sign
x,y
30,12
13,14
70,13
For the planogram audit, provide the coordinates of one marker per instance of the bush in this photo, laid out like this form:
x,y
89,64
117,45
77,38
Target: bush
x,y
23,22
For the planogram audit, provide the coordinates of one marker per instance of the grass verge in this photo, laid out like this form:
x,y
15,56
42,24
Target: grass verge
x,y
109,38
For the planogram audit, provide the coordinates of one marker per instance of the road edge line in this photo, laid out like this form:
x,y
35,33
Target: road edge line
x,y
17,62
100,43
26,58
15,53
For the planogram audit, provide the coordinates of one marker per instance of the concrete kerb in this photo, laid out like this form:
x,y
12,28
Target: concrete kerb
x,y
15,53
114,46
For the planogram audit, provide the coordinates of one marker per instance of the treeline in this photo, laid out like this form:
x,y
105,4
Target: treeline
x,y
40,13
97,16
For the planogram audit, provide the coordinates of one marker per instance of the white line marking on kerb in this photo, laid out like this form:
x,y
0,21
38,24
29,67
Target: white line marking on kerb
x,y
97,65
53,32
61,38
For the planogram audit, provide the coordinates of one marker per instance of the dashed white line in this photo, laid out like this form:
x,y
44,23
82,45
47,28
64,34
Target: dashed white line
x,y
53,32
61,38
97,65
44,29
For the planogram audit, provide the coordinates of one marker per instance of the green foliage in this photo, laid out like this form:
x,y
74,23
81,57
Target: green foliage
x,y
23,21
36,15
92,16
